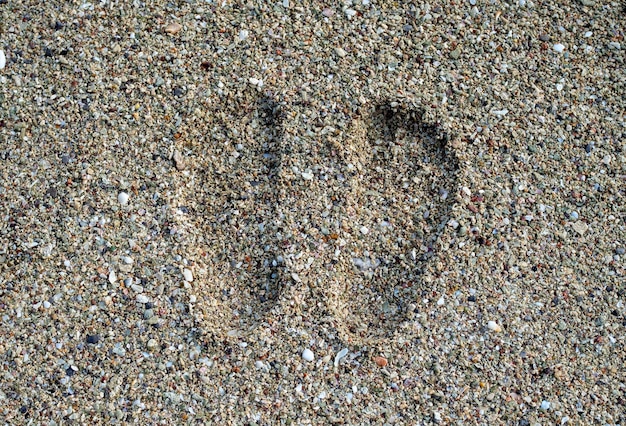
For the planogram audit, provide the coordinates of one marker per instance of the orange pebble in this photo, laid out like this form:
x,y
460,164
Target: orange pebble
x,y
380,361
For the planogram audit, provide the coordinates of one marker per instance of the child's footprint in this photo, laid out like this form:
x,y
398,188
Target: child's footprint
x,y
233,200
397,203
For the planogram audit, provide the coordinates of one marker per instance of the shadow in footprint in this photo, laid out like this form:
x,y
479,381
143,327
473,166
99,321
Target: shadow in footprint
x,y
396,205
237,186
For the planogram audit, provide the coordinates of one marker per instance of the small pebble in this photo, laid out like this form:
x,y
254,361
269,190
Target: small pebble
x,y
380,361
93,339
122,198
142,298
307,355
573,215
152,344
112,277
3,60
188,275
179,161
545,405
46,304
173,28
340,52
350,13
494,326
364,230
328,12
559,47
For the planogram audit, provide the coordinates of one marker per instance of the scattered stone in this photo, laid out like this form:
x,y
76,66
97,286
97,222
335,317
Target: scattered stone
x,y
307,355
93,339
559,47
122,198
580,227
173,28
142,298
179,161
188,275
494,326
340,355
380,361
3,60
152,345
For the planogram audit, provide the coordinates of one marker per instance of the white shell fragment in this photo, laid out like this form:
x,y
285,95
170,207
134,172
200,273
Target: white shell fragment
x,y
494,326
122,198
340,355
188,275
307,355
3,60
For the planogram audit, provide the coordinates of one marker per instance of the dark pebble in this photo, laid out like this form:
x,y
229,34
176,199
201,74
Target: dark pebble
x,y
588,148
93,339
65,159
471,299
70,371
149,305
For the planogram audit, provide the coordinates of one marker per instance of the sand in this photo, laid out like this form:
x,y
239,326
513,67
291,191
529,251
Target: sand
x,y
365,212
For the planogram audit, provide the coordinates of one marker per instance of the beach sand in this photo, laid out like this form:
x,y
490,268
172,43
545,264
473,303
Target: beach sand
x,y
298,213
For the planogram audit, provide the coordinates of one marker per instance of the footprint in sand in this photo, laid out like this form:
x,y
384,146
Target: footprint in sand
x,y
231,195
396,202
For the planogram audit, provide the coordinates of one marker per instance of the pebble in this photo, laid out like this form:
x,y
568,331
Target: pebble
x,y
545,405
173,28
494,326
93,339
350,12
559,47
381,361
307,355
328,12
3,60
142,298
188,275
122,198
179,161
364,230
152,345
580,227
340,52
112,277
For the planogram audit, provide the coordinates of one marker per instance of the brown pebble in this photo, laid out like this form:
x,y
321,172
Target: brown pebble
x,y
380,361
173,28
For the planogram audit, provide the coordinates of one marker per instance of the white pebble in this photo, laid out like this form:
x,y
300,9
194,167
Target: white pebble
x,y
441,301
350,12
3,60
559,47
112,277
545,405
559,86
122,198
127,260
588,34
307,355
256,82
142,298
307,175
259,365
46,304
188,275
364,230
243,34
494,326
606,160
